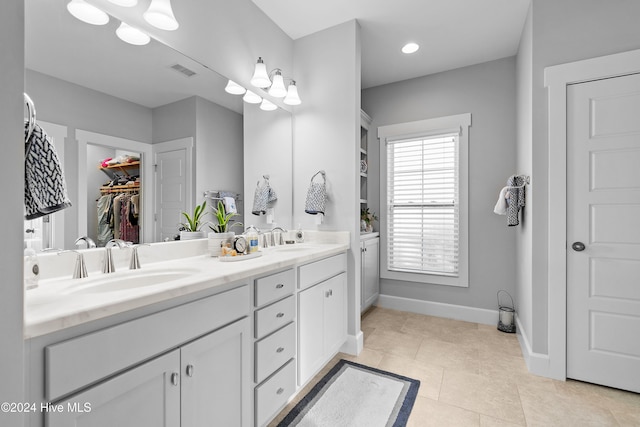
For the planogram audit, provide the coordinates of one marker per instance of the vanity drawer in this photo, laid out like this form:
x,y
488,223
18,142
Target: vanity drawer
x,y
275,392
75,363
318,271
272,288
274,316
274,350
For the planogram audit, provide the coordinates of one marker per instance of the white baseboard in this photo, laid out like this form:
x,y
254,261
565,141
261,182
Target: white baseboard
x,y
450,311
354,344
537,363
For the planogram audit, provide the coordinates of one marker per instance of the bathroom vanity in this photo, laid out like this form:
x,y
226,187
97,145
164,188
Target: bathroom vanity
x,y
184,342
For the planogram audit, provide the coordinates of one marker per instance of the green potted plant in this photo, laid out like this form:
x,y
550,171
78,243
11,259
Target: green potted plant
x,y
191,228
366,220
221,226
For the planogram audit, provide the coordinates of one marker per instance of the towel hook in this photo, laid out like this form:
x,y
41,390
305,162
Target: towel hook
x,y
31,108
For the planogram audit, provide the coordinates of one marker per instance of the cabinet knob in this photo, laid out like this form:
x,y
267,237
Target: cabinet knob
x,y
174,378
280,391
189,370
281,314
280,350
279,286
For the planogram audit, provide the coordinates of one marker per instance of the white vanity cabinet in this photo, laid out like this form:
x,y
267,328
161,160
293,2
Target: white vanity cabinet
x,y
322,314
275,345
158,370
370,273
191,386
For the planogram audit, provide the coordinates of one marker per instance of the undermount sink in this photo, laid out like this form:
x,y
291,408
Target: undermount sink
x,y
127,280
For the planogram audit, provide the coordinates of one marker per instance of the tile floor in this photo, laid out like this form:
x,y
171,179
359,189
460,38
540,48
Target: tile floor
x,y
474,375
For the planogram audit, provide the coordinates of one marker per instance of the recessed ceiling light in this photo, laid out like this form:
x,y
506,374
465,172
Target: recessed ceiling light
x,y
410,48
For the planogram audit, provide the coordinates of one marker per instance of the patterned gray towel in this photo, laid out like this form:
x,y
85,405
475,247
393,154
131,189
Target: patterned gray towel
x,y
516,199
45,190
262,197
317,195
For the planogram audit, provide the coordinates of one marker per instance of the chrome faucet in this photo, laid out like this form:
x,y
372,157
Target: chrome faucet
x,y
134,263
87,240
80,268
107,262
278,235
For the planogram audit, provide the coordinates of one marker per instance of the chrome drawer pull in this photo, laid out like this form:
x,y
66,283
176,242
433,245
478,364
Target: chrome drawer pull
x,y
189,370
174,378
279,286
280,350
280,314
280,391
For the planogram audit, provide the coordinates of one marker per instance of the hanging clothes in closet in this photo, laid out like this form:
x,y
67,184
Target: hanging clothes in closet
x,y
118,217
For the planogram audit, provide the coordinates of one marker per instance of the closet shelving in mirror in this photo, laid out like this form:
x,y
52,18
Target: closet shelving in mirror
x,y
128,169
125,168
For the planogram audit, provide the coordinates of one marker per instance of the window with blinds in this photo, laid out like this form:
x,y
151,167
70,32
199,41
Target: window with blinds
x,y
423,205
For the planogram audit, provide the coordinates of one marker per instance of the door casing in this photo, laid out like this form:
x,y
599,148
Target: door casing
x,y
556,79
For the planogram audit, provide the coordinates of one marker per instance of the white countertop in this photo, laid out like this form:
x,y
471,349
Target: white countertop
x,y
57,304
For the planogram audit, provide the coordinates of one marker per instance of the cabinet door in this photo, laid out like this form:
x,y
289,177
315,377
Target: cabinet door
x,y
148,395
335,313
370,272
215,372
310,332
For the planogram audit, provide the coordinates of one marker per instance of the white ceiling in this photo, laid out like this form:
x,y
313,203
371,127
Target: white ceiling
x,y
451,33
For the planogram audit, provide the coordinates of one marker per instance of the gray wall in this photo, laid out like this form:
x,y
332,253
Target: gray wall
x,y
11,126
268,143
565,31
78,107
488,92
326,135
175,120
219,149
524,290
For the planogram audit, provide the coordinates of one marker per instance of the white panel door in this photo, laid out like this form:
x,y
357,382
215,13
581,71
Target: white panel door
x,y
146,396
173,186
310,332
215,372
603,232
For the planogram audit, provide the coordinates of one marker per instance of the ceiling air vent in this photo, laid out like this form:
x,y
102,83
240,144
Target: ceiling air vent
x,y
183,70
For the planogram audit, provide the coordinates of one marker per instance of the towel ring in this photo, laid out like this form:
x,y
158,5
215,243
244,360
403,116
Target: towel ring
x,y
31,108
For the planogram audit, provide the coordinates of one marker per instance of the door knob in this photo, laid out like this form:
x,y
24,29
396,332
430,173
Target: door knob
x,y
578,246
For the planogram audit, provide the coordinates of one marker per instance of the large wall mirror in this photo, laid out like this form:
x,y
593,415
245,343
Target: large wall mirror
x,y
163,119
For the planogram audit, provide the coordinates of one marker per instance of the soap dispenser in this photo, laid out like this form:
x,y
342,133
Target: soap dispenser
x,y
31,269
299,235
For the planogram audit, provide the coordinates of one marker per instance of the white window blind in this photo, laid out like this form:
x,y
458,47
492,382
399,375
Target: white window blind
x,y
423,201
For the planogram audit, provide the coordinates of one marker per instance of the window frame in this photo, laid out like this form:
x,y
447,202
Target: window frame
x,y
423,128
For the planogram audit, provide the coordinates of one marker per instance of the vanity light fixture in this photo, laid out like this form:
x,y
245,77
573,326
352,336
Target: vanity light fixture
x,y
276,83
292,97
127,33
124,3
251,98
86,12
277,88
160,15
234,88
267,105
260,76
410,48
